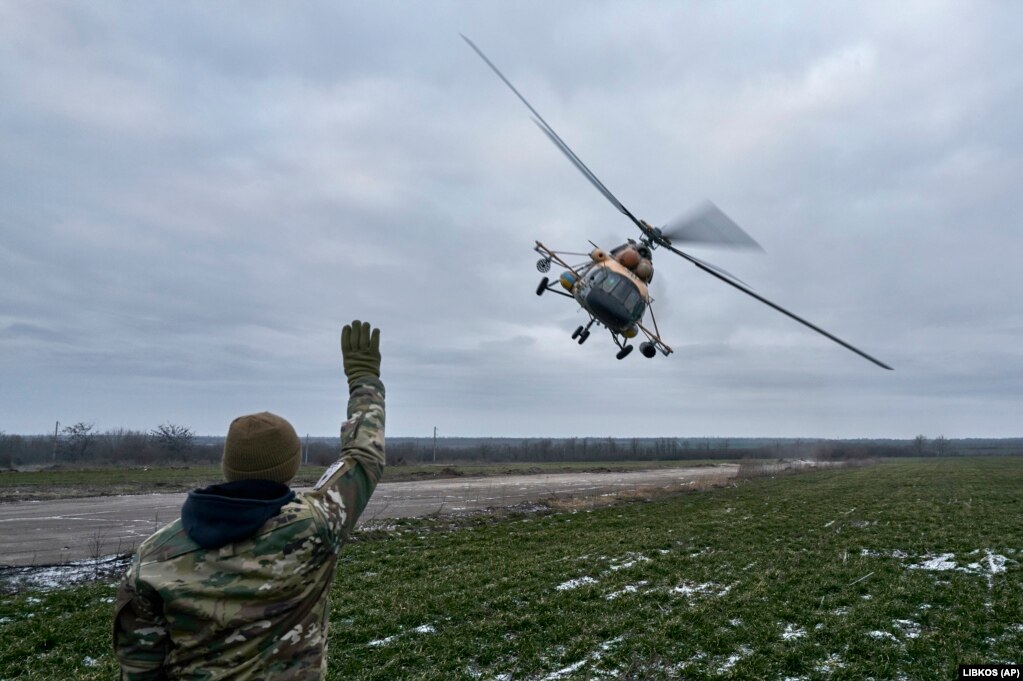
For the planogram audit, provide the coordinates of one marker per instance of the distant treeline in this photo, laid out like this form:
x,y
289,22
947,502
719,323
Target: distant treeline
x,y
81,444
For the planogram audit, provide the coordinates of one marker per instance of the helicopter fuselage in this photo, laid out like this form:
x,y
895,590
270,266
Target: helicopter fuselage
x,y
615,296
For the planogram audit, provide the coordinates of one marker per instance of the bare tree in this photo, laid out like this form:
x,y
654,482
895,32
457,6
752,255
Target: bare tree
x,y
77,440
941,446
919,444
172,437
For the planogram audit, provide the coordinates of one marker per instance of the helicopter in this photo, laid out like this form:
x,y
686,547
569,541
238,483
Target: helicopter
x,y
612,287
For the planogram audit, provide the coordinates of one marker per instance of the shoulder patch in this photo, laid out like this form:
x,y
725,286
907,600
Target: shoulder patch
x,y
327,474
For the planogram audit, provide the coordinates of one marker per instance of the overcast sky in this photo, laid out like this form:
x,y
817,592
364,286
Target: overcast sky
x,y
194,197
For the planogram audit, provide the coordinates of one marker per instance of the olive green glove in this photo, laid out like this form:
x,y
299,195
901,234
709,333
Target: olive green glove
x,y
360,351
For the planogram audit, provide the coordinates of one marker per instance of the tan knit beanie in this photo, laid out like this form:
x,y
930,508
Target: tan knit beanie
x,y
261,446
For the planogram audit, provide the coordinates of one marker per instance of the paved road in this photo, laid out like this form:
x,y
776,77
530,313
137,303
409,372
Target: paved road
x,y
48,532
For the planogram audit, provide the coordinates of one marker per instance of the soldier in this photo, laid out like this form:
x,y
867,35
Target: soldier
x,y
238,587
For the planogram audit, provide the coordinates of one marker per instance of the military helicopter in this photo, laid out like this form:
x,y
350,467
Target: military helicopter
x,y
613,286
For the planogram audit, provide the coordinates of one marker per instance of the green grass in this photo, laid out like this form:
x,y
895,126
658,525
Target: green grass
x,y
825,556
74,482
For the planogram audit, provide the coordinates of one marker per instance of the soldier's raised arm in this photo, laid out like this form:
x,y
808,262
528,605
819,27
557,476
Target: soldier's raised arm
x,y
344,489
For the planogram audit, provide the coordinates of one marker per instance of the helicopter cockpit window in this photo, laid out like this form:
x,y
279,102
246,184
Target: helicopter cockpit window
x,y
610,281
634,303
598,276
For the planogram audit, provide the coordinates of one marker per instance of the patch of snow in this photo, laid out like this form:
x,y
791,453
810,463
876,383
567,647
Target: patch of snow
x,y
632,560
992,564
72,573
832,663
565,671
575,583
867,597
425,629
939,563
910,628
689,589
89,661
629,589
592,657
792,632
829,523
727,665
697,657
882,635
840,611
735,622
382,641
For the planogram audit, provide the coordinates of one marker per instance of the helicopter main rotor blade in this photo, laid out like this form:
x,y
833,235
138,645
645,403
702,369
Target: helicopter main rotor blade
x,y
706,224
719,270
558,142
779,308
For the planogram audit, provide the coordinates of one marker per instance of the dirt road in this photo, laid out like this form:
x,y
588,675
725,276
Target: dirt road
x,y
48,532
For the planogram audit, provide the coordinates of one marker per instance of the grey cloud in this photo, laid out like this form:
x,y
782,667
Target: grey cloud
x,y
194,200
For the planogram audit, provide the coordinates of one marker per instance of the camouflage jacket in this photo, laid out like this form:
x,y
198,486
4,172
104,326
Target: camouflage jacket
x,y
257,608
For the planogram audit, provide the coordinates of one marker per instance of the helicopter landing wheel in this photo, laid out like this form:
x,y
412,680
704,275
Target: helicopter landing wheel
x,y
583,336
542,286
624,352
578,332
647,349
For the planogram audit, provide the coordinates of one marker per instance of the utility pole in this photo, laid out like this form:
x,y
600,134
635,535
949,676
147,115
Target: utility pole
x,y
435,444
55,427
305,457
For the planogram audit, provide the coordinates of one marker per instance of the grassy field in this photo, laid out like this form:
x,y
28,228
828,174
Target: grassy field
x,y
72,482
897,571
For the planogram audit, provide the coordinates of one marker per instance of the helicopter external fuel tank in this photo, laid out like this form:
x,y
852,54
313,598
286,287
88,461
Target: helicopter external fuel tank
x,y
644,270
628,257
567,280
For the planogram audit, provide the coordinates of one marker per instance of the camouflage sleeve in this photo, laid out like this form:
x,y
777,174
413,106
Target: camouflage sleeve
x,y
140,632
345,488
